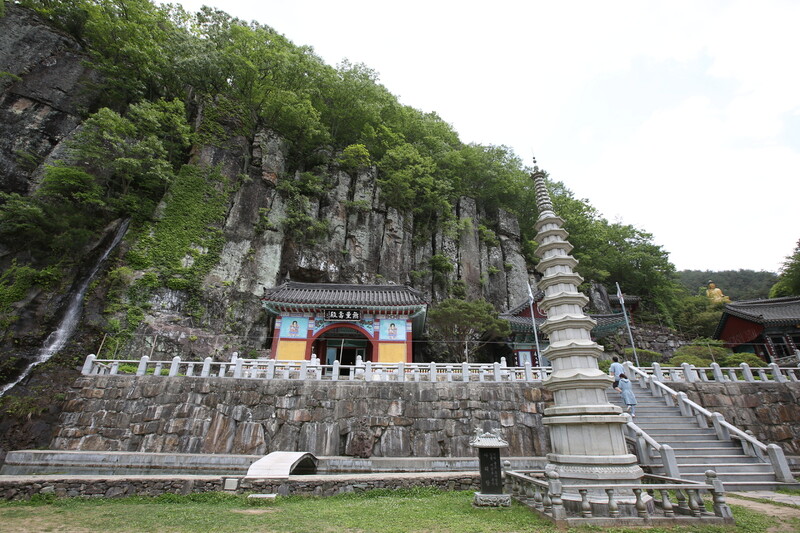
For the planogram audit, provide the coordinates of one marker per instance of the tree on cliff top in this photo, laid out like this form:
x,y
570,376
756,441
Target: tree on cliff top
x,y
464,327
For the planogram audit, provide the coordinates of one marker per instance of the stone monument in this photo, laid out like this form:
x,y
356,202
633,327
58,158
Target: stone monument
x,y
491,494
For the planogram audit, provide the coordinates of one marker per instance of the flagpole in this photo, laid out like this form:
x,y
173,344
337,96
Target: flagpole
x,y
533,322
628,324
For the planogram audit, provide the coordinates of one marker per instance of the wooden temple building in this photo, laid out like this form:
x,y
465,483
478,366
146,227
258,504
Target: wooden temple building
x,y
339,322
769,328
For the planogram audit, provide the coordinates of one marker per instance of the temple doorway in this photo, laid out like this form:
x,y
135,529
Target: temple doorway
x,y
343,344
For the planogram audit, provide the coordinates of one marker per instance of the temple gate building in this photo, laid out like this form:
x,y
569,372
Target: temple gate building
x,y
768,328
340,322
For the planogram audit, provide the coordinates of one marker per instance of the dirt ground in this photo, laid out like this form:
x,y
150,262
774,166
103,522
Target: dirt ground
x,y
789,517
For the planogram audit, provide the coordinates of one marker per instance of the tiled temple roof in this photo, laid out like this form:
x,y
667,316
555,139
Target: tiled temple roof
x,y
296,294
769,312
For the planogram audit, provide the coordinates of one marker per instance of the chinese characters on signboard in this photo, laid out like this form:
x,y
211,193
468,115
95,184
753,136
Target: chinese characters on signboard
x,y
342,314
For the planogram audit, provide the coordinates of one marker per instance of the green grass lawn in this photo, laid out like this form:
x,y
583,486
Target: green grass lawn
x,y
416,510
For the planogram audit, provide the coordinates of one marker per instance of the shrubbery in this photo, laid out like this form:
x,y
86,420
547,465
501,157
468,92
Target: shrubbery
x,y
738,358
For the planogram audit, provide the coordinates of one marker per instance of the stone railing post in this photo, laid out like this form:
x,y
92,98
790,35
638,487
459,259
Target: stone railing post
x,y
777,375
114,368
721,508
498,376
554,489
779,464
368,371
237,368
336,370
401,371
206,370
669,461
173,368
432,372
142,368
747,373
642,448
689,373
717,371
722,432
528,371
685,409
88,364
464,372
658,373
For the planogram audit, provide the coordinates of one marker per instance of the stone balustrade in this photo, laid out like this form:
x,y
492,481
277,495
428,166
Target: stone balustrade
x,y
314,371
650,503
687,373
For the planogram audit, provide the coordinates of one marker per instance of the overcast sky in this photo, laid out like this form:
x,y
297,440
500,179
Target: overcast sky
x,y
680,118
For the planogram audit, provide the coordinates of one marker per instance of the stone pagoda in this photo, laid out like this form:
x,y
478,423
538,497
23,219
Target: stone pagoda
x,y
586,431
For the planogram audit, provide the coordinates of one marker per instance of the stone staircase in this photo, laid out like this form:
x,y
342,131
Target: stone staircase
x,y
697,449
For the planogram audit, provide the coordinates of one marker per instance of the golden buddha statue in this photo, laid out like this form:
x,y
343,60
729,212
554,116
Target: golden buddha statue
x,y
714,294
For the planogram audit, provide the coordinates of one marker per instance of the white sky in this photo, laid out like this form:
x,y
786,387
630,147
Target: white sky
x,y
680,118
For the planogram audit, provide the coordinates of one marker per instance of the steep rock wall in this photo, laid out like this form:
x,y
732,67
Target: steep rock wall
x,y
45,91
366,242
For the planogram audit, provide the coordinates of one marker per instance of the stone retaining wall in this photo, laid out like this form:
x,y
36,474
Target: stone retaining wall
x,y
22,488
244,416
649,337
770,410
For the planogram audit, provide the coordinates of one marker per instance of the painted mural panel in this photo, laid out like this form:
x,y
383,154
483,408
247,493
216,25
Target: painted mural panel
x,y
294,327
393,330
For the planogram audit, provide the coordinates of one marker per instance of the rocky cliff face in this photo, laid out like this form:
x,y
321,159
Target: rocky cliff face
x,y
46,92
366,242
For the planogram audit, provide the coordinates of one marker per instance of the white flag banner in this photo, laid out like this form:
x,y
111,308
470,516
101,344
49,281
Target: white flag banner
x,y
530,291
619,295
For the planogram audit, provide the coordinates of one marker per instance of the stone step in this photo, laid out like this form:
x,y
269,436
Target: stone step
x,y
644,417
727,468
731,478
685,450
668,438
682,427
684,458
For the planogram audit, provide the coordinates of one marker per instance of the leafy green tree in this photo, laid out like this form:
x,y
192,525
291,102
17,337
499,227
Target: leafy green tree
x,y
789,281
355,156
132,156
463,327
697,316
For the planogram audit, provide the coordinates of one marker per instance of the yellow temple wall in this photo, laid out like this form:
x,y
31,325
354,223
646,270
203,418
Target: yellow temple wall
x,y
291,350
391,352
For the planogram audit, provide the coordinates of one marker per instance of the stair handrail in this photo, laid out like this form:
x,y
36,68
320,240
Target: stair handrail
x,y
724,429
644,443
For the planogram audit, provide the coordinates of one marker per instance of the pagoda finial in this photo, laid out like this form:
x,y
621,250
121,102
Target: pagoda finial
x,y
543,201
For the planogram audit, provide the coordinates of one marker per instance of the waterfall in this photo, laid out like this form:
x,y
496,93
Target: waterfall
x,y
58,338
